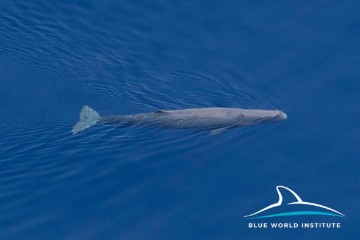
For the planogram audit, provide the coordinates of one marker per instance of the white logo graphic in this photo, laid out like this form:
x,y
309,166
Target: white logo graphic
x,y
322,210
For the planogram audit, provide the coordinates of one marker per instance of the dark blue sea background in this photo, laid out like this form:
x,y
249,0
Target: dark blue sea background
x,y
126,57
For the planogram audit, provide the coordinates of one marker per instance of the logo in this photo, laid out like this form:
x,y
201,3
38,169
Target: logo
x,y
293,208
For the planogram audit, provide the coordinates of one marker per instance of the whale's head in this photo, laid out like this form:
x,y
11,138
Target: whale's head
x,y
268,115
279,115
252,116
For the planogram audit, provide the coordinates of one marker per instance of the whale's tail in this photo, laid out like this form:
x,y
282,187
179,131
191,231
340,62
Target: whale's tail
x,y
88,118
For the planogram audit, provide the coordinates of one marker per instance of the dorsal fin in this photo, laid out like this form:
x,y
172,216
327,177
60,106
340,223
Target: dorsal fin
x,y
161,111
289,195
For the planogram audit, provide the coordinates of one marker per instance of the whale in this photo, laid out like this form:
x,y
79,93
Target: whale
x,y
214,119
294,206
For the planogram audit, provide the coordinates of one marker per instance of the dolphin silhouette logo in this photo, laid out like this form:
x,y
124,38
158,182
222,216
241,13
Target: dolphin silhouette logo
x,y
321,209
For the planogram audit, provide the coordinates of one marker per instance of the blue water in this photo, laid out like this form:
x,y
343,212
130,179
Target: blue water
x,y
123,57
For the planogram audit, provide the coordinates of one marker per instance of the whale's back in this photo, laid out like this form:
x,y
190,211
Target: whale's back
x,y
200,118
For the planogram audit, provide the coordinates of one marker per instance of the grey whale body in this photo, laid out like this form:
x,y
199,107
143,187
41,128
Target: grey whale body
x,y
213,118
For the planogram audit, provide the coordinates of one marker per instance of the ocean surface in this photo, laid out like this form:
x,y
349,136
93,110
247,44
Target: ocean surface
x,y
126,57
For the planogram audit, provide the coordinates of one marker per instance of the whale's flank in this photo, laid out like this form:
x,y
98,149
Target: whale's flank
x,y
88,118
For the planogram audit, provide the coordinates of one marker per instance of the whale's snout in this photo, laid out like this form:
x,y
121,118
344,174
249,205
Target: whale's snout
x,y
281,115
